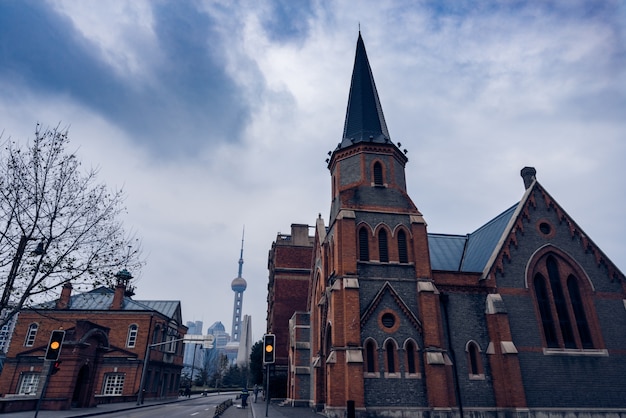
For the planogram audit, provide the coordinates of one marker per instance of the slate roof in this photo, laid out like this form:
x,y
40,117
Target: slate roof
x,y
100,299
364,116
468,253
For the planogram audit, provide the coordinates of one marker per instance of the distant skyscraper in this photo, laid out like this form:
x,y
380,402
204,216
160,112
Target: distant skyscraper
x,y
194,353
239,286
245,345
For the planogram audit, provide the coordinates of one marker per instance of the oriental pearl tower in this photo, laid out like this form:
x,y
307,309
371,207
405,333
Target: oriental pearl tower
x,y
239,286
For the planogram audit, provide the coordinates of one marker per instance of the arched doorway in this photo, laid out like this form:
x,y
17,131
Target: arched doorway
x,y
80,397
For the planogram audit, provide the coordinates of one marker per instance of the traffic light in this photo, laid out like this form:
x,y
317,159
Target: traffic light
x,y
269,348
54,346
56,366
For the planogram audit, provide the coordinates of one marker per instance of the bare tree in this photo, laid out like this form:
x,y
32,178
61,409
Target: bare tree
x,y
57,224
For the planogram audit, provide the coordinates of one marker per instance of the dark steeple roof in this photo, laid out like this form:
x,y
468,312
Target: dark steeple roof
x,y
364,117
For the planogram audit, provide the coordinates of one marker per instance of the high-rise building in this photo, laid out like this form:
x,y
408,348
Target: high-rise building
x,y
194,352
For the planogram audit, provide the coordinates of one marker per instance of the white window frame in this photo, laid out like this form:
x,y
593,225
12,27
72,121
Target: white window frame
x,y
131,340
31,335
29,382
113,384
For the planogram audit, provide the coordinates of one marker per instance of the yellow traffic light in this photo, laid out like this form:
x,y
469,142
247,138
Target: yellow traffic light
x,y
54,346
269,342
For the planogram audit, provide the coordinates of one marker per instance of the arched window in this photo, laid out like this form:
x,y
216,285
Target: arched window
x,y
391,358
370,356
403,254
31,335
378,174
560,298
383,252
579,312
411,358
474,360
131,339
364,252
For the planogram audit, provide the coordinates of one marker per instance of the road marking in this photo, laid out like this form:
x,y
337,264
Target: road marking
x,y
195,413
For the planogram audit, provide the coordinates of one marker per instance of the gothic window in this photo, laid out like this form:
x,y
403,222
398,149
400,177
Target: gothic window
x,y
383,252
378,174
370,356
131,340
390,349
364,252
403,255
560,298
31,334
411,358
474,360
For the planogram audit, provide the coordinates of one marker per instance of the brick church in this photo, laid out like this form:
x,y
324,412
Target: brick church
x,y
524,316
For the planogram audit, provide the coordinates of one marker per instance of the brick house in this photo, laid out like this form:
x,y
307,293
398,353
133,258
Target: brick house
x,y
107,335
524,316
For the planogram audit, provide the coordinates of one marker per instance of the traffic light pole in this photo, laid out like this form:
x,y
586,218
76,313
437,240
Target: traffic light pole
x,y
267,388
45,387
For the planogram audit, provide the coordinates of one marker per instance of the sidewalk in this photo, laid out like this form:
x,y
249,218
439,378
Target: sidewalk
x,y
254,410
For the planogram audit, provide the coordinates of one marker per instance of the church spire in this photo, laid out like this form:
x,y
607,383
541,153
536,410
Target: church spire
x,y
364,116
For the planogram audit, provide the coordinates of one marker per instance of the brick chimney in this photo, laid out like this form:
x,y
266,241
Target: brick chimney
x,y
300,234
63,302
123,277
528,174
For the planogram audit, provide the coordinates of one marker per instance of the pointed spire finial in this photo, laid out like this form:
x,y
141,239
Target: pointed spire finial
x,y
365,121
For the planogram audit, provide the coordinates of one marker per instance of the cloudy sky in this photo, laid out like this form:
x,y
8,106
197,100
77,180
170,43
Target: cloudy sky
x,y
215,115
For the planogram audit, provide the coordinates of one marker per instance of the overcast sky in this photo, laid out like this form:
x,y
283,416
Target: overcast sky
x,y
212,115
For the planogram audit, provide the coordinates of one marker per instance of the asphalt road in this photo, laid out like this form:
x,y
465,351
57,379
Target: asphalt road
x,y
201,407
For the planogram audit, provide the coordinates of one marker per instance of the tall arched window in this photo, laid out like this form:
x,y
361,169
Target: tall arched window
x,y
31,335
391,358
411,358
370,356
131,339
474,360
364,252
383,252
560,297
378,174
403,254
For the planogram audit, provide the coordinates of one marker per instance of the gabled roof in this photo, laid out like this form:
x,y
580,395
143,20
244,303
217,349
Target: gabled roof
x,y
468,253
100,299
387,288
508,236
364,116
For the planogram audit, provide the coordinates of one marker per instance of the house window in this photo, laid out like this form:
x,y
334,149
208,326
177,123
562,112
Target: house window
x,y
383,253
113,384
131,341
560,298
403,255
31,334
370,356
28,384
364,252
378,174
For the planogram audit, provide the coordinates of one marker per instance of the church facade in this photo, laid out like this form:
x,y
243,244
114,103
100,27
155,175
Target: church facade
x,y
524,316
